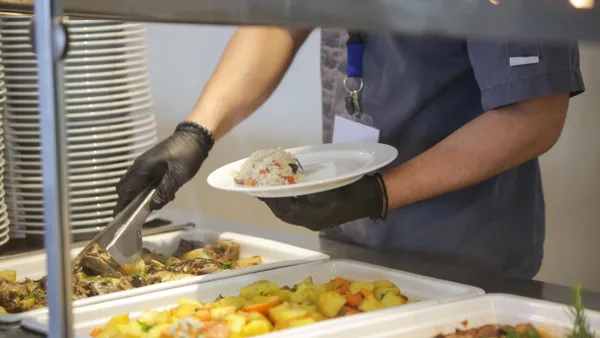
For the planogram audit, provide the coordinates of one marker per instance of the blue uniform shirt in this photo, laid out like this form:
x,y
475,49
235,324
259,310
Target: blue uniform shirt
x,y
419,90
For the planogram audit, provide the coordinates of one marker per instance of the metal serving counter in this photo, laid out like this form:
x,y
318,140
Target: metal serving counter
x,y
391,259
558,19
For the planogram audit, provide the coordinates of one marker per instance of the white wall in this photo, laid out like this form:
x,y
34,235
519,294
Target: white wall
x,y
571,176
181,59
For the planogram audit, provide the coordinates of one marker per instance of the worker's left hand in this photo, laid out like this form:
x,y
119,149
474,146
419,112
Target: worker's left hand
x,y
361,199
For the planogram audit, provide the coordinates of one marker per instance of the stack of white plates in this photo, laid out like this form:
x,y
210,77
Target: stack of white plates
x,y
4,220
109,121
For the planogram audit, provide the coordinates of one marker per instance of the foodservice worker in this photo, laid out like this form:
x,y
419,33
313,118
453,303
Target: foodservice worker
x,y
468,117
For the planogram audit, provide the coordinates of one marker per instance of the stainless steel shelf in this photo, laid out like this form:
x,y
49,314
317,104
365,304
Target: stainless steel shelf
x,y
524,19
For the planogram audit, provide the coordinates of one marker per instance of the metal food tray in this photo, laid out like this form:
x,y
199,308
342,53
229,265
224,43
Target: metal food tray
x,y
428,290
274,255
445,318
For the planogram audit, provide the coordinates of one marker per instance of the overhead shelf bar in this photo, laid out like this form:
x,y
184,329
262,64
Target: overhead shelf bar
x,y
512,19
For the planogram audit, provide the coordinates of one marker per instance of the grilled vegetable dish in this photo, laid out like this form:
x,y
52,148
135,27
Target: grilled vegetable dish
x,y
259,308
498,331
97,274
581,327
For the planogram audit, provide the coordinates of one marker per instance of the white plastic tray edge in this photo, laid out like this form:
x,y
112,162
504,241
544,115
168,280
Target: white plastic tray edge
x,y
426,322
472,291
292,274
304,256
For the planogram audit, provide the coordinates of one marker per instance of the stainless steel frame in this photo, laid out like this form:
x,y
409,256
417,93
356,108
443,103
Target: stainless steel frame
x,y
516,19
50,41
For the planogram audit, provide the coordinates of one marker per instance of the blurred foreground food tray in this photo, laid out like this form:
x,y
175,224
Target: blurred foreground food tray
x,y
274,255
501,309
428,291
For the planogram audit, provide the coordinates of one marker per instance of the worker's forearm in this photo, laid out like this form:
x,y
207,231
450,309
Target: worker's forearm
x,y
493,142
250,69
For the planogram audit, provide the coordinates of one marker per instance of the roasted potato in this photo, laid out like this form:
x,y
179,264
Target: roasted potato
x,y
330,303
198,253
244,262
9,275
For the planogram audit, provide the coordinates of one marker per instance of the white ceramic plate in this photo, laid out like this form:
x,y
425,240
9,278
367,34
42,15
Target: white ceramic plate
x,y
74,60
146,104
326,167
39,203
73,209
74,30
95,83
92,142
97,103
4,240
94,228
39,217
109,128
90,66
79,45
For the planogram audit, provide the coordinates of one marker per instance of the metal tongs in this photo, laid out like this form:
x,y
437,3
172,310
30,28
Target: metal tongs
x,y
122,238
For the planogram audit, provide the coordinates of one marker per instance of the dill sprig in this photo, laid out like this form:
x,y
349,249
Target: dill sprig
x,y
581,327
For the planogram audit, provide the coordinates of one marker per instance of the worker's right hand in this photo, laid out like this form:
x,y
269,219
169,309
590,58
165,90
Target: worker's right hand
x,y
176,159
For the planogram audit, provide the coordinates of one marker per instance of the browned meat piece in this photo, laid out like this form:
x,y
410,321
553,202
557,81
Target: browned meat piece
x,y
148,256
105,285
12,295
98,262
198,266
224,251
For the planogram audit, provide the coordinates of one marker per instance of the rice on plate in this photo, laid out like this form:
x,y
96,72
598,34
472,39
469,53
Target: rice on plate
x,y
270,167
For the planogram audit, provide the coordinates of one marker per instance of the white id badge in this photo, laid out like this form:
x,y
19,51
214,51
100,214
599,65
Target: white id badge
x,y
348,131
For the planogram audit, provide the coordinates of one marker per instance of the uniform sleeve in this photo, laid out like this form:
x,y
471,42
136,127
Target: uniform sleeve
x,y
513,72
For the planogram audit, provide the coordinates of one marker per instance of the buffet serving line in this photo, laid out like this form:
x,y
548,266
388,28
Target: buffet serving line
x,y
449,295
220,279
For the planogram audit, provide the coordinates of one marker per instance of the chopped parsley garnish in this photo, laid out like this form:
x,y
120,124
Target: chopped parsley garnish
x,y
145,327
38,293
228,265
581,327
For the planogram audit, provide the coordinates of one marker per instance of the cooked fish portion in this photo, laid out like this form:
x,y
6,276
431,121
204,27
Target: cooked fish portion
x,y
96,273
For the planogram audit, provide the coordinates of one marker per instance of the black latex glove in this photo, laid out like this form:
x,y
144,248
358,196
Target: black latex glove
x,y
176,159
364,198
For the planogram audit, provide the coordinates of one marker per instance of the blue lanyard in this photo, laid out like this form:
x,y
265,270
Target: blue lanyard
x,y
354,47
354,70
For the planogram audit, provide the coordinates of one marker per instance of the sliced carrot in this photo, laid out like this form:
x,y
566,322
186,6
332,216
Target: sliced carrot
x,y
341,285
96,331
354,300
262,172
208,324
365,293
202,315
250,182
347,311
290,179
277,164
263,307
